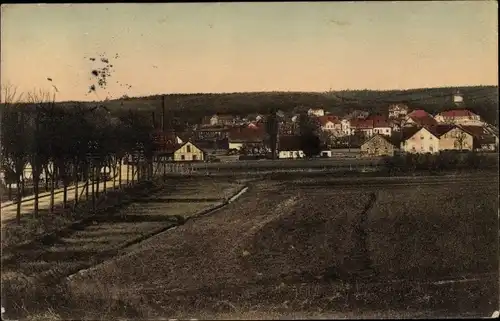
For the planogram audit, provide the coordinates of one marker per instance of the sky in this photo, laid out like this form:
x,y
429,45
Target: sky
x,y
240,47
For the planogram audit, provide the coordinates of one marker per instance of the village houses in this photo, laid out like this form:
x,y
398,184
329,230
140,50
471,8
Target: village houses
x,y
432,139
331,124
398,111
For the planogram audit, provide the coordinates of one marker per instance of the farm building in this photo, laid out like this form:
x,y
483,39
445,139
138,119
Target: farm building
x,y
181,152
419,140
289,147
454,138
432,139
240,136
378,145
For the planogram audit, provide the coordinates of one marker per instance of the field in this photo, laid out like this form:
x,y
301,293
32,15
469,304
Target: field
x,y
307,247
54,257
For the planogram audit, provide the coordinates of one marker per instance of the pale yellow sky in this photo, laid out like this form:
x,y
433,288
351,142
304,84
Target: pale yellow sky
x,y
236,47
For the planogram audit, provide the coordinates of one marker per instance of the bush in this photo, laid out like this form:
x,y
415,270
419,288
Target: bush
x,y
446,160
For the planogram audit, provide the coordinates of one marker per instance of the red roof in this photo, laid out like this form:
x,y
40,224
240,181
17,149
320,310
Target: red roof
x,y
323,120
477,131
457,113
422,120
362,123
419,113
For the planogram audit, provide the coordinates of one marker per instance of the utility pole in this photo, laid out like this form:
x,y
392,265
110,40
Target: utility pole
x,y
163,113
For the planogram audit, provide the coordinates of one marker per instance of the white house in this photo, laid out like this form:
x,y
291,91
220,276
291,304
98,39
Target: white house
x,y
420,140
345,126
318,112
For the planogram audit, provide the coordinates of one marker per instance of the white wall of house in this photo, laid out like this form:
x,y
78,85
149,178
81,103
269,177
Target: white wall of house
x,y
214,120
460,120
291,154
237,146
386,131
345,126
326,153
422,141
331,126
316,112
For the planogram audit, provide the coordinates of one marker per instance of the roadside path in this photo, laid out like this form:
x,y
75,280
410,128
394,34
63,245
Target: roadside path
x,y
9,209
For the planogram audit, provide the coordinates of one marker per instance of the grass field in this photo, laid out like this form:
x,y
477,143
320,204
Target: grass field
x,y
292,248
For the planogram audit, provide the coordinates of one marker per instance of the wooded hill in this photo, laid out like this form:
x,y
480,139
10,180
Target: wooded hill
x,y
192,107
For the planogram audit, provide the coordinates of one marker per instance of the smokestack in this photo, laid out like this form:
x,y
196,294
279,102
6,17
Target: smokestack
x,y
163,113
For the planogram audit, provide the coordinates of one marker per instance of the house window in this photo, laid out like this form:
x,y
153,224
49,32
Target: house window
x,y
195,157
188,149
430,137
421,137
183,157
431,149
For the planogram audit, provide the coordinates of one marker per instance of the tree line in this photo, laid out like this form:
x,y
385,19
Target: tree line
x,y
65,145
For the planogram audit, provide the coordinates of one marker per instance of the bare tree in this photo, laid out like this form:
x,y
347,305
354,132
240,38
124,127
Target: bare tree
x,y
13,139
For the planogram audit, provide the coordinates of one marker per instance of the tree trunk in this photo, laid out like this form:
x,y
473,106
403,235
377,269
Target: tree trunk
x,y
46,180
36,182
10,191
114,174
22,184
105,180
87,184
93,188
128,173
120,175
75,175
18,211
65,193
52,196
97,181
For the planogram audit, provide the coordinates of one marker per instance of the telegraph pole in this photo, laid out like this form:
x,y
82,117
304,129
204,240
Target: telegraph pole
x,y
163,113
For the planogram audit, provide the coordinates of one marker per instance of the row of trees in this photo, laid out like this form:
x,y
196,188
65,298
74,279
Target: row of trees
x,y
68,144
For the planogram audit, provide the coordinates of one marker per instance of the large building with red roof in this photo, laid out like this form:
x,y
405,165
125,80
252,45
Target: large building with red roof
x,y
458,117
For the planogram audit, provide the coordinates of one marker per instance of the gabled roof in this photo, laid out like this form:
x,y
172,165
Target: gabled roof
x,y
418,113
440,130
408,132
456,113
422,118
289,143
392,141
